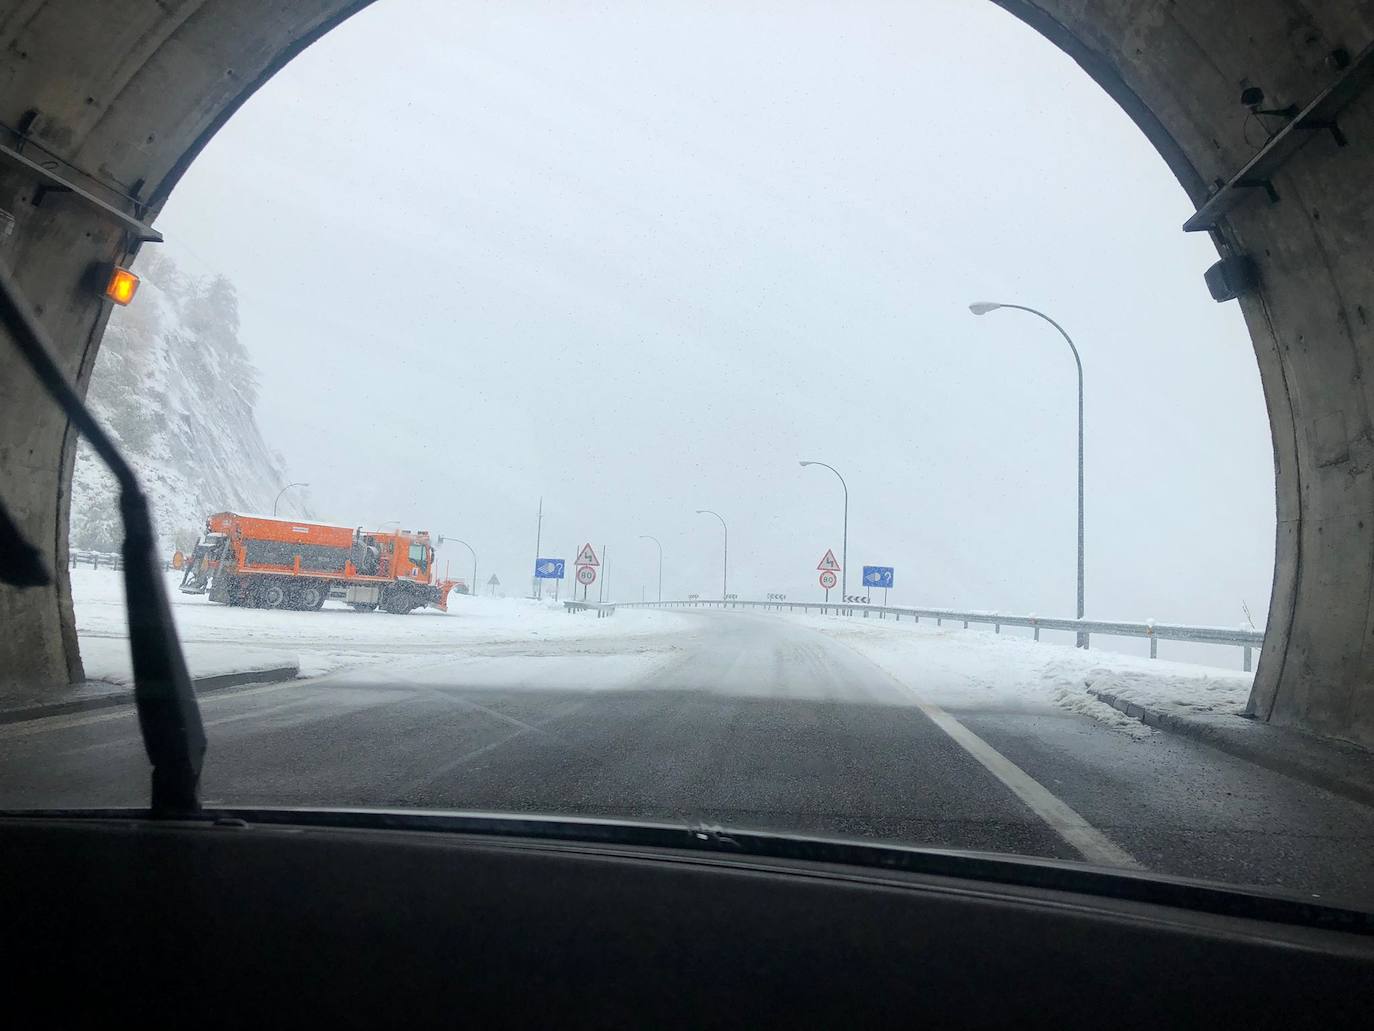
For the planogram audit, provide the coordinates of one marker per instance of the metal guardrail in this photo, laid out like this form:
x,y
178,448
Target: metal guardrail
x,y
104,560
96,559
601,609
1153,632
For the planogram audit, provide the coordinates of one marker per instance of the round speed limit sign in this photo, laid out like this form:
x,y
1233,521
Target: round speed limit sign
x,y
586,574
828,579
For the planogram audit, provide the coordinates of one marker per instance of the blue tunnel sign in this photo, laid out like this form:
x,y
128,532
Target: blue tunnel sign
x,y
878,576
549,568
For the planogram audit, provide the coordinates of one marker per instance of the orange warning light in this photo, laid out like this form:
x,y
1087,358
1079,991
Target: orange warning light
x,y
122,285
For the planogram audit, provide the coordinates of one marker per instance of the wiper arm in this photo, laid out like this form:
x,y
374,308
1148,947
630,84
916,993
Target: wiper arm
x,y
168,714
20,563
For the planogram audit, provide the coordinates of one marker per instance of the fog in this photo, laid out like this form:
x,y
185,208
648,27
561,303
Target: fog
x,y
639,260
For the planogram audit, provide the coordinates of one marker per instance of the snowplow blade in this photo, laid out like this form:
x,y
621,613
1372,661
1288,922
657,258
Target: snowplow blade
x,y
442,589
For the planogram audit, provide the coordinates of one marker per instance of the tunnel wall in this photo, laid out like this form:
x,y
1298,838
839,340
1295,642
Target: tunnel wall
x,y
128,91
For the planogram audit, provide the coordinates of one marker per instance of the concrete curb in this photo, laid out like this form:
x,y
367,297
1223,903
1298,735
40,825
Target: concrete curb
x,y
1336,766
203,685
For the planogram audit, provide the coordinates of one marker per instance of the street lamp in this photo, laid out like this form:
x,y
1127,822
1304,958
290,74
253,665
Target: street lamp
x,y
725,558
844,546
283,491
982,308
646,537
472,591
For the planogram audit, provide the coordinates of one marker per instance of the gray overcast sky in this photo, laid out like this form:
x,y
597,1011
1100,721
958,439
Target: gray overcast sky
x,y
641,258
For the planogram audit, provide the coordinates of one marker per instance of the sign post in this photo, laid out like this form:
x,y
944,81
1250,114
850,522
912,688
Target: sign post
x,y
828,567
828,581
493,583
586,567
878,576
538,583
549,569
586,575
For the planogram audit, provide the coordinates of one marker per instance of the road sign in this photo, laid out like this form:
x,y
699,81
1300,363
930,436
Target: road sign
x,y
828,578
877,576
587,557
493,582
857,599
548,568
586,575
829,562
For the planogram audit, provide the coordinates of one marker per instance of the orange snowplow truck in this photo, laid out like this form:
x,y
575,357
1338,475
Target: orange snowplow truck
x,y
286,564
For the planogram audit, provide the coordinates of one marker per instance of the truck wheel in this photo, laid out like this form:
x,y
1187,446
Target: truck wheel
x,y
274,596
311,598
397,604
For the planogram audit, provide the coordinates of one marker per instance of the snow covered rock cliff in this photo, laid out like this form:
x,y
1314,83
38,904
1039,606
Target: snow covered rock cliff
x,y
176,387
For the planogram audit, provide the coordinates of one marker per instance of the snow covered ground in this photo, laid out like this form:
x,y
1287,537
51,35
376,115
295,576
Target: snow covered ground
x,y
496,642
956,668
337,638
107,660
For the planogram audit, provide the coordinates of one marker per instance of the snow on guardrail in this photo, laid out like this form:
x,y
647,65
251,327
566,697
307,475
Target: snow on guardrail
x,y
1243,638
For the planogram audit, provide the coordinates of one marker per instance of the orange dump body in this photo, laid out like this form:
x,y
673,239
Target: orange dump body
x,y
288,563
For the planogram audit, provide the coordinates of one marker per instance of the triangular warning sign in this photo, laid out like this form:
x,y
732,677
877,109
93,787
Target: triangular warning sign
x,y
587,556
829,562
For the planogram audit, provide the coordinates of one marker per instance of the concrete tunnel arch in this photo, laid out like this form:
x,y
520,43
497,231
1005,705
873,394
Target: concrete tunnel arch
x,y
119,98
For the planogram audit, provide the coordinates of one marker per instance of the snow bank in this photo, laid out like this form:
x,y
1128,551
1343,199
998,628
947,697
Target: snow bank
x,y
977,669
337,637
107,659
1179,689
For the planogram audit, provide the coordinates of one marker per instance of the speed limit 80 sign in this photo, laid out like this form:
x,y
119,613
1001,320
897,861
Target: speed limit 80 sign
x,y
586,574
828,579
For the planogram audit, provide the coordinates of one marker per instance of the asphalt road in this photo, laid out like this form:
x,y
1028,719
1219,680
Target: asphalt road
x,y
744,721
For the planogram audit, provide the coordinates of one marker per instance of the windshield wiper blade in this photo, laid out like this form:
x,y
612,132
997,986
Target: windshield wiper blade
x,y
168,714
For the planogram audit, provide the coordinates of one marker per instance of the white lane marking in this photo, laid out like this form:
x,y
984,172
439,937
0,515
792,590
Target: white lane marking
x,y
123,712
448,767
1063,819
1094,846
132,739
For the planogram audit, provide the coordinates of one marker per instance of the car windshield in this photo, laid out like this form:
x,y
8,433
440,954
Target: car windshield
x,y
818,418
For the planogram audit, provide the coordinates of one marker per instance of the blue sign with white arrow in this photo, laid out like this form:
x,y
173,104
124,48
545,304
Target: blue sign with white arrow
x,y
878,576
548,568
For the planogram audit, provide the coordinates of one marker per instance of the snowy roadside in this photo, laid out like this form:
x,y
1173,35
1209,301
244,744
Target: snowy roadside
x,y
338,638
957,668
106,660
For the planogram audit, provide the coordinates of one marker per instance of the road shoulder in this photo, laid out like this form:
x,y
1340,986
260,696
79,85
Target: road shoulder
x,y
1339,767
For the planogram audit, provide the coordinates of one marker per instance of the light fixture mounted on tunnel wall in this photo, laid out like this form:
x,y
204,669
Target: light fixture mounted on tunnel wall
x,y
1253,98
1231,277
120,285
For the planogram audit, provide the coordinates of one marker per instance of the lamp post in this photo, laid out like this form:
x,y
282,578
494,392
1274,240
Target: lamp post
x,y
725,555
844,544
982,308
472,591
283,491
647,537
